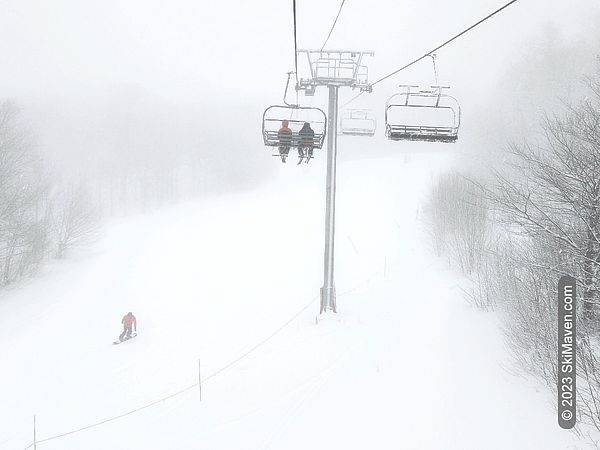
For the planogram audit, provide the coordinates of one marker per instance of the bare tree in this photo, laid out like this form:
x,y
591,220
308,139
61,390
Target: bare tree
x,y
554,191
21,184
545,205
37,220
549,201
457,220
72,219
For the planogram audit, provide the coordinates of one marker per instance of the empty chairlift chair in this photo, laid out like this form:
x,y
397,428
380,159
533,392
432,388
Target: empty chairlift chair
x,y
358,122
296,116
422,115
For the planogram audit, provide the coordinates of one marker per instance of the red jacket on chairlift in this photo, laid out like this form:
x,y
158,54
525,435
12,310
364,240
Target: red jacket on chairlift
x,y
285,134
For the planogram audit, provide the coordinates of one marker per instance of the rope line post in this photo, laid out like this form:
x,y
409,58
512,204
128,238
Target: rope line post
x,y
199,381
385,267
34,436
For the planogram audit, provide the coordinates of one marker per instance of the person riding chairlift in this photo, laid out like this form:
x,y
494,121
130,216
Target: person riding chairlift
x,y
285,140
306,142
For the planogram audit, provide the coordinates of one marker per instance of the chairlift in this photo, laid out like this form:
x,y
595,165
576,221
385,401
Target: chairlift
x,y
422,115
295,116
358,122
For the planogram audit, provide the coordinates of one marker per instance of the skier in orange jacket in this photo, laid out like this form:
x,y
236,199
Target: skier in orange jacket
x,y
128,321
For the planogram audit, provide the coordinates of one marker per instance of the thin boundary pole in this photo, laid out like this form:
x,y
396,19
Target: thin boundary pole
x,y
34,436
385,267
199,381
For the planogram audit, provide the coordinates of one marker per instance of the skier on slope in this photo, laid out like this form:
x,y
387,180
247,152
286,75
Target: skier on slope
x,y
128,321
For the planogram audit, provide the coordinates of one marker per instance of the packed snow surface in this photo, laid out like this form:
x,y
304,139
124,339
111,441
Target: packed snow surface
x,y
405,364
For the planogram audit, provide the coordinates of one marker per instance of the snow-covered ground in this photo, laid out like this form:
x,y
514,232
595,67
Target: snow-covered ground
x,y
405,364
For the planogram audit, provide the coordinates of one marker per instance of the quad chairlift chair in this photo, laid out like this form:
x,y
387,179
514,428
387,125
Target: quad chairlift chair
x,y
422,115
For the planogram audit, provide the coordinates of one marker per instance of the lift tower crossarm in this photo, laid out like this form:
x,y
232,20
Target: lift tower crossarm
x,y
335,68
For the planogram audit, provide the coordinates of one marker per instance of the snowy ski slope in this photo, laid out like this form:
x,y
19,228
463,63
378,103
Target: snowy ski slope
x,y
406,364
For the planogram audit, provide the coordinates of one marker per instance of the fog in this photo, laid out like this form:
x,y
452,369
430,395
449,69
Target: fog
x,y
114,108
127,84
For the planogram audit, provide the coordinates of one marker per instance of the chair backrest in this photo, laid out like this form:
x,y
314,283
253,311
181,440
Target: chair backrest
x,y
428,115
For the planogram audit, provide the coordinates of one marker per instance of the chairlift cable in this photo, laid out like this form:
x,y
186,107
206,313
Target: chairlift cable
x,y
333,26
295,42
287,85
434,50
437,82
447,42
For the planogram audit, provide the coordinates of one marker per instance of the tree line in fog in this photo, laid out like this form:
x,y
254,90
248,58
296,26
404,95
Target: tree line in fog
x,y
64,168
526,216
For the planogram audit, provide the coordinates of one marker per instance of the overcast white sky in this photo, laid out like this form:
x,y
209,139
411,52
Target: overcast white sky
x,y
184,49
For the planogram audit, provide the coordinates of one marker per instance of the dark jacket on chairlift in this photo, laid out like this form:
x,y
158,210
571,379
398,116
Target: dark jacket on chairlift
x,y
307,135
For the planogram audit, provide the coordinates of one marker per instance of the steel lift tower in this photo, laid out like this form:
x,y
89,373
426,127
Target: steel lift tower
x,y
334,69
